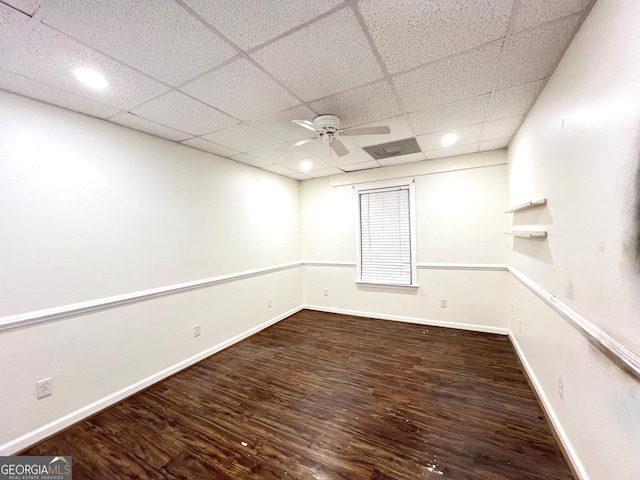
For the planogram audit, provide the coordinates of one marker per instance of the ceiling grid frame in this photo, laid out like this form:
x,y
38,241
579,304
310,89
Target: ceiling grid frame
x,y
385,70
546,20
515,9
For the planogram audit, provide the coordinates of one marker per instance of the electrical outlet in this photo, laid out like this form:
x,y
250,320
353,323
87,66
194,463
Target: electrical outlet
x,y
44,388
196,330
561,388
269,303
519,325
326,292
443,303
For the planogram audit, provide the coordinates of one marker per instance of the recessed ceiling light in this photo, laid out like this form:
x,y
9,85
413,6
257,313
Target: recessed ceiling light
x,y
90,78
449,139
306,165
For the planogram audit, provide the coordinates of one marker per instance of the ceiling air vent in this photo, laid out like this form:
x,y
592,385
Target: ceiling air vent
x,y
393,149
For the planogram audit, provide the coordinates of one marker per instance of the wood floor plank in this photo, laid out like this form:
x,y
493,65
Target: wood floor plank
x,y
325,396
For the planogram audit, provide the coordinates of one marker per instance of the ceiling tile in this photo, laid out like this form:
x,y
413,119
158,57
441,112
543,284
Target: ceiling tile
x,y
281,154
431,141
452,115
355,155
363,105
452,151
411,158
514,101
324,172
242,138
248,23
463,76
535,12
11,22
252,160
242,90
315,148
414,32
316,164
399,130
280,125
360,166
506,127
494,144
138,123
179,111
280,170
301,62
531,55
299,176
27,6
159,29
207,146
49,56
31,88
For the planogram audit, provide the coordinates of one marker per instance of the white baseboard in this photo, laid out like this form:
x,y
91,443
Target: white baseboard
x,y
546,405
39,434
420,321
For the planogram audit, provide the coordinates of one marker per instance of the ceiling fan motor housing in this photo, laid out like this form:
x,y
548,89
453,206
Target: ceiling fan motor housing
x,y
327,130
330,122
329,125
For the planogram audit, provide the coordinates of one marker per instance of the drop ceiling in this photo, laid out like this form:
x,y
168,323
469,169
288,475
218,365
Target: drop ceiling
x,y
227,77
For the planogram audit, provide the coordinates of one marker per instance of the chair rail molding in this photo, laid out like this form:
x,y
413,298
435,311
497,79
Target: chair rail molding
x,y
620,352
92,306
420,265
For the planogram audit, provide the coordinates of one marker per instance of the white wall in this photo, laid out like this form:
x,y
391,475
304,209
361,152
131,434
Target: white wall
x,y
580,148
92,210
459,204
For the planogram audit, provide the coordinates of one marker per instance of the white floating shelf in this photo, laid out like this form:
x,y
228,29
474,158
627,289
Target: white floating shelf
x,y
528,234
525,206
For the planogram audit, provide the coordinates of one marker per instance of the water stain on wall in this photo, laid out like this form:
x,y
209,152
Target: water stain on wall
x,y
636,223
626,406
636,216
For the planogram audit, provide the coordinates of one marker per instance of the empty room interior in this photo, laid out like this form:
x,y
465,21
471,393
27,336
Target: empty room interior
x,y
324,239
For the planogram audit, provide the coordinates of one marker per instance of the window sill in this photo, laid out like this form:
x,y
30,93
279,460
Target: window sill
x,y
388,285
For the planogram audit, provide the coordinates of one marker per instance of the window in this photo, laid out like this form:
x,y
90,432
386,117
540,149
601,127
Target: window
x,y
386,234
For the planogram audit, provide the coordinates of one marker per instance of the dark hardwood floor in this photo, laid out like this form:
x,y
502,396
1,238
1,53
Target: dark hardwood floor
x,y
324,396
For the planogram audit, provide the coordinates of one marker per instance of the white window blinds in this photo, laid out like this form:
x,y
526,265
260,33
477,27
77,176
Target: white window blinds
x,y
386,236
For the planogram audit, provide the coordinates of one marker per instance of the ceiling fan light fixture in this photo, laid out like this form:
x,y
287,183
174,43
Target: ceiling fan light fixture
x,y
449,139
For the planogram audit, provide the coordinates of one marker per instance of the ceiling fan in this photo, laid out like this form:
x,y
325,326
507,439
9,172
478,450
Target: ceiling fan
x,y
326,128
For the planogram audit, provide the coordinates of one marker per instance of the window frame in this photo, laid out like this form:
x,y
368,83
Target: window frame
x,y
358,190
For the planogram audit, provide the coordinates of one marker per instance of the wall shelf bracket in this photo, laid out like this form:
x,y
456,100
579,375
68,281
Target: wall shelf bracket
x,y
525,206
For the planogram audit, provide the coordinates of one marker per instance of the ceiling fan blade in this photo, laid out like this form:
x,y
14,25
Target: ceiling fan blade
x,y
307,124
302,142
338,147
382,130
